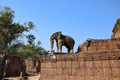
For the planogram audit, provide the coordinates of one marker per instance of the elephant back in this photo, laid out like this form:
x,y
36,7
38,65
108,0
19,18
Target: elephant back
x,y
69,40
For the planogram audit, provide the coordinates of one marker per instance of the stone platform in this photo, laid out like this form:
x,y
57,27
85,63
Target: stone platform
x,y
97,60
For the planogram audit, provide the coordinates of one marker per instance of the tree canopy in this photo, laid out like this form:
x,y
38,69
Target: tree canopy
x,y
11,34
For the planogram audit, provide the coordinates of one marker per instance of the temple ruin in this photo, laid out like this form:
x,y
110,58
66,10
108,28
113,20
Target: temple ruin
x,y
96,59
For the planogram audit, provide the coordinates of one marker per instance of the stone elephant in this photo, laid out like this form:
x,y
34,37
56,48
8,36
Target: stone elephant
x,y
62,40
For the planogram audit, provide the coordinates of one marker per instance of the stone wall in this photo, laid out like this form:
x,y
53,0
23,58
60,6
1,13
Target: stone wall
x,y
116,29
32,65
100,45
11,66
82,66
99,60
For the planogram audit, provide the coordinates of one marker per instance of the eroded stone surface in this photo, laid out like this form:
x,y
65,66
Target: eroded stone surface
x,y
116,30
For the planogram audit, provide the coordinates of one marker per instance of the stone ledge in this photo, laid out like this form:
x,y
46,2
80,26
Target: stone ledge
x,y
87,56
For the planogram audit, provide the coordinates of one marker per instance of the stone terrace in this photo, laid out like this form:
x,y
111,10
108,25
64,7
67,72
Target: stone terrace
x,y
95,60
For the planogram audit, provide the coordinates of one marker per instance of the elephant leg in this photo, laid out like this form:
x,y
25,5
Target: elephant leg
x,y
57,47
68,50
71,49
60,45
51,44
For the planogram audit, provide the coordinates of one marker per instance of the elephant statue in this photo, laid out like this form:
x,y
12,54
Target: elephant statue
x,y
62,40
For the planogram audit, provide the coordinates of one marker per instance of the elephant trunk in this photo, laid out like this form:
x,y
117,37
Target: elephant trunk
x,y
51,43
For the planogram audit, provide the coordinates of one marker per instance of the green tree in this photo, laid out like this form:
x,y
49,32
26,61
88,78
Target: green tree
x,y
32,50
31,38
11,32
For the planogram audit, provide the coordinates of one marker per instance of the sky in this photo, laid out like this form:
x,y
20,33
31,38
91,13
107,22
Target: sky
x,y
80,19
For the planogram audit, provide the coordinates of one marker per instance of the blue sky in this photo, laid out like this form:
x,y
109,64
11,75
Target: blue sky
x,y
80,19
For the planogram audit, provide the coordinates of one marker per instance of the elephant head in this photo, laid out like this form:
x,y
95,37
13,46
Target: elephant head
x,y
62,40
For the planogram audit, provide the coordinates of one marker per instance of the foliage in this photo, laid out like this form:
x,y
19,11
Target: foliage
x,y
11,33
31,38
32,50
